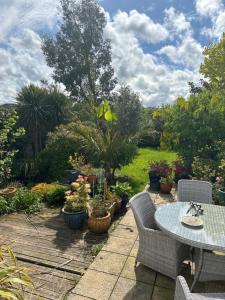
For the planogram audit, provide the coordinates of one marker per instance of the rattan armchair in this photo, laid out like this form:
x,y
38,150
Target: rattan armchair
x,y
194,190
182,292
213,266
156,250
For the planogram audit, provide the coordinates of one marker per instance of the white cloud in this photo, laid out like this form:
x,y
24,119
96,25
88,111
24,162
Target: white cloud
x,y
140,25
176,22
21,63
208,7
215,10
21,58
154,81
188,53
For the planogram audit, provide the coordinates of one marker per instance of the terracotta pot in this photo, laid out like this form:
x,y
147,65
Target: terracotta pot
x,y
8,192
92,179
99,225
165,188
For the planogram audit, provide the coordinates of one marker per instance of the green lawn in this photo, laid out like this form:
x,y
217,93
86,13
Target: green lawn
x,y
138,169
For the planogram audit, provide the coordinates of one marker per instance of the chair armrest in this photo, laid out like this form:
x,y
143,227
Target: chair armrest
x,y
182,290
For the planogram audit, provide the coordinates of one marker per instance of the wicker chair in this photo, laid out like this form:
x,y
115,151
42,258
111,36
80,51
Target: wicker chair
x,y
194,190
156,250
213,267
182,292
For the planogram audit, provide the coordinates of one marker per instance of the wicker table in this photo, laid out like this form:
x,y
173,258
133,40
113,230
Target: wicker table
x,y
209,237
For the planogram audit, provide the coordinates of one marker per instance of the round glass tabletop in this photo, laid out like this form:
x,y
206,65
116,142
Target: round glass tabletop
x,y
210,236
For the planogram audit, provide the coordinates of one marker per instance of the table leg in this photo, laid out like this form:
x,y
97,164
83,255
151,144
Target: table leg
x,y
198,271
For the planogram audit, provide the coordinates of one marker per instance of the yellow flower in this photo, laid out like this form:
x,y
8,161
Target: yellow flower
x,y
75,185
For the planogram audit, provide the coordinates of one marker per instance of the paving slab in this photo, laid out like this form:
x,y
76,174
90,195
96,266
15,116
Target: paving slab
x,y
134,249
127,289
125,232
108,262
128,219
96,285
160,293
138,273
119,245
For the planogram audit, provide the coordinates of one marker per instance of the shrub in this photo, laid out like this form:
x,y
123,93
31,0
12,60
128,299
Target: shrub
x,y
25,200
122,189
52,193
5,207
204,169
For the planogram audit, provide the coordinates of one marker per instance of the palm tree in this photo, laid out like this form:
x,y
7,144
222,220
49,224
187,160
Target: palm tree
x,y
40,110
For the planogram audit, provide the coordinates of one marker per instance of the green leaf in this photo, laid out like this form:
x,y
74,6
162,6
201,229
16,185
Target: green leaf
x,y
109,116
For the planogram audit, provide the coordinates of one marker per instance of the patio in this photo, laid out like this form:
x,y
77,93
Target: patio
x,y
113,275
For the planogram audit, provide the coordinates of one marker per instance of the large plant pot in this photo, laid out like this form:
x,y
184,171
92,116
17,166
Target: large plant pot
x,y
75,220
154,181
221,195
92,179
8,192
165,188
99,225
155,186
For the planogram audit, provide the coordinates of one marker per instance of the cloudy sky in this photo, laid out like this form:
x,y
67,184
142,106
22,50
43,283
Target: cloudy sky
x,y
156,45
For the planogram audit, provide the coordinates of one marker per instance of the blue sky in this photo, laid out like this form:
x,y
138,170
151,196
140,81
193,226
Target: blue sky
x,y
156,45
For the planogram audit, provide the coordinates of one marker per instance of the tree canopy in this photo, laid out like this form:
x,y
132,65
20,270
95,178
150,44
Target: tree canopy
x,y
213,67
79,53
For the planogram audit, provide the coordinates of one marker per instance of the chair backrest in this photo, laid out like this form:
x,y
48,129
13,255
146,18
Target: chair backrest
x,y
182,290
143,209
194,190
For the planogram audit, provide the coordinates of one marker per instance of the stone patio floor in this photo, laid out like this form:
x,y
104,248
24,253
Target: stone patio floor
x,y
113,275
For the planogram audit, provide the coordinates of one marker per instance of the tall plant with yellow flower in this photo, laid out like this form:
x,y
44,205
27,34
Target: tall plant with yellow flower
x,y
78,196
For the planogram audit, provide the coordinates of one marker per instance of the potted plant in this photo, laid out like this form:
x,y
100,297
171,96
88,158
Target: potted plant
x,y
166,183
8,192
99,218
157,170
75,207
78,164
124,191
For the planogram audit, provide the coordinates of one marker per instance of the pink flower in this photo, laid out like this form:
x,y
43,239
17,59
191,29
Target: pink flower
x,y
218,179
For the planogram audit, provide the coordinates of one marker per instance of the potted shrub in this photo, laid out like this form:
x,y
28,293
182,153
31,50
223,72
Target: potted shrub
x,y
166,183
157,170
99,218
75,207
124,191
